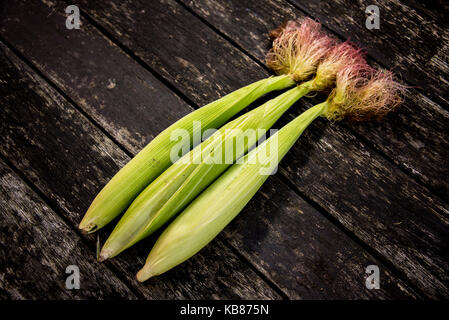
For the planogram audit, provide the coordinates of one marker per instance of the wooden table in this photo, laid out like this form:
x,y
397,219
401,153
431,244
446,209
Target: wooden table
x,y
77,104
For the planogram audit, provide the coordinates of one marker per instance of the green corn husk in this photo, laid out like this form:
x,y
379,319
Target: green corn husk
x,y
213,209
186,178
151,161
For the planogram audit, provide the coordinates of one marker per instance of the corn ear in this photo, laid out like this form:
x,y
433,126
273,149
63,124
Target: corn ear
x,y
211,211
186,178
151,161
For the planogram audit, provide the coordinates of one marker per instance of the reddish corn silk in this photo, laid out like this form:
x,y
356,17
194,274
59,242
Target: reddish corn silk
x,y
298,48
363,93
339,56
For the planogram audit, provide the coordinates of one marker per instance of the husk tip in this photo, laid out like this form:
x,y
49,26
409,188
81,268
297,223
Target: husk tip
x,y
89,224
144,274
87,227
104,255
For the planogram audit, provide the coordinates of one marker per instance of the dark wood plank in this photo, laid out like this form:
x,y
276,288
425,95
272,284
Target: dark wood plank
x,y
97,90
416,137
415,246
422,61
68,160
302,274
37,246
303,252
177,46
437,9
413,45
392,213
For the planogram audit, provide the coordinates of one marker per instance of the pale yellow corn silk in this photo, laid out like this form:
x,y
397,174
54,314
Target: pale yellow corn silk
x,y
298,48
363,93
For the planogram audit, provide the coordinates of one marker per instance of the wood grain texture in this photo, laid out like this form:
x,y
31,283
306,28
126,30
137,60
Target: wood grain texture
x,y
416,137
437,9
176,45
297,277
423,61
303,252
69,160
398,218
37,246
99,87
390,212
411,44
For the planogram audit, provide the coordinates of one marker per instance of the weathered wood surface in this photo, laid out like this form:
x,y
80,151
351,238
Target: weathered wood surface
x,y
102,89
178,62
303,252
415,137
336,279
69,160
413,45
421,65
37,246
437,9
389,211
369,169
